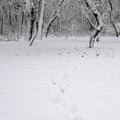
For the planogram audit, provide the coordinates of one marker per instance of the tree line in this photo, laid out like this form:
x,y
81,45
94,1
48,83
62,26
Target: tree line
x,y
33,19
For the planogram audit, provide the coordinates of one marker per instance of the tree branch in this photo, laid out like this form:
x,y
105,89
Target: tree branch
x,y
54,16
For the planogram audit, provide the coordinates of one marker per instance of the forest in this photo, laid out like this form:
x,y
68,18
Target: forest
x,y
33,19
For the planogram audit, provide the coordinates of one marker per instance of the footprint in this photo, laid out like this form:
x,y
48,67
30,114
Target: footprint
x,y
77,117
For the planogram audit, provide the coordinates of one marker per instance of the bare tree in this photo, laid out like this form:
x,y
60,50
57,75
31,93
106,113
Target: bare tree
x,y
111,18
98,27
39,20
54,16
32,19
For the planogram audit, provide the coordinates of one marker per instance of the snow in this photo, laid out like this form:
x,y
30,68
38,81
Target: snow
x,y
60,79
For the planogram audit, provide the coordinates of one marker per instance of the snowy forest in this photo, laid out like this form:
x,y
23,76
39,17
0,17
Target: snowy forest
x,y
59,59
34,19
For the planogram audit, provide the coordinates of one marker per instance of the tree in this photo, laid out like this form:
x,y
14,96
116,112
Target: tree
x,y
99,25
38,20
33,23
41,20
54,16
111,18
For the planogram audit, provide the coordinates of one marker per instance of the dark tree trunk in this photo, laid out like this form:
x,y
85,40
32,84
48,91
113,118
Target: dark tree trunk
x,y
22,21
111,18
10,19
113,24
94,37
31,29
55,15
1,31
37,21
96,32
97,28
49,25
32,22
98,38
36,32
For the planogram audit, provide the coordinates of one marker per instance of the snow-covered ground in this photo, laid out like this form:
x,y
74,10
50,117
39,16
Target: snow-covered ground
x,y
60,79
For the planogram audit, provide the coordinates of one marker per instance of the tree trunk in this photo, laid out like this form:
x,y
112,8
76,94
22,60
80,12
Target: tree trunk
x,y
10,19
39,22
95,34
49,25
54,16
94,37
39,35
32,22
22,21
111,18
97,28
60,27
98,38
36,32
1,25
73,28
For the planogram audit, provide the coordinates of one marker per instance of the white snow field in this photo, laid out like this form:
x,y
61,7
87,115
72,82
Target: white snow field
x,y
60,79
